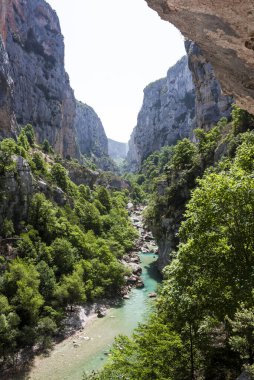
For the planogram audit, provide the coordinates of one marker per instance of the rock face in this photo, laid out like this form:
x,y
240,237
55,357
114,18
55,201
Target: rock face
x,y
188,98
224,30
167,113
211,104
8,123
117,149
133,160
34,73
16,190
90,135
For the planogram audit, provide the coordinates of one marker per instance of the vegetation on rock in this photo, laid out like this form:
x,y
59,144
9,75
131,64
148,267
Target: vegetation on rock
x,y
64,252
202,327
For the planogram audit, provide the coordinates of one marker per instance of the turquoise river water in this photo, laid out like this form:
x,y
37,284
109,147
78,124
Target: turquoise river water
x,y
69,363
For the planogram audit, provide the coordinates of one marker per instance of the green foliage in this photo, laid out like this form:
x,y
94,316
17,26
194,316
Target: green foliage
x,y
21,285
23,141
71,290
155,352
242,120
7,228
46,147
102,195
60,177
184,155
242,337
63,255
208,141
203,324
8,148
89,216
39,163
28,131
65,252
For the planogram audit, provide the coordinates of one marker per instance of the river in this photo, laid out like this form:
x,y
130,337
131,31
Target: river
x,y
67,362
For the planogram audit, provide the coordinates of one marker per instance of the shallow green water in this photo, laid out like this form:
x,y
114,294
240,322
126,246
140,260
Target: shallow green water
x,y
69,363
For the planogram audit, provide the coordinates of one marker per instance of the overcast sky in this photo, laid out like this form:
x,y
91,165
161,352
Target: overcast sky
x,y
113,49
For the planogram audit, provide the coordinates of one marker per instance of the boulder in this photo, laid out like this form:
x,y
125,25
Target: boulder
x,y
152,295
101,313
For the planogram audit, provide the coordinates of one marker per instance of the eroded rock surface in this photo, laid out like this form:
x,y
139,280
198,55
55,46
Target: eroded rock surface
x,y
211,104
167,113
32,39
224,30
8,123
117,150
90,135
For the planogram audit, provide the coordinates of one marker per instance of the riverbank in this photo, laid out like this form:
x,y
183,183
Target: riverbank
x,y
88,338
88,349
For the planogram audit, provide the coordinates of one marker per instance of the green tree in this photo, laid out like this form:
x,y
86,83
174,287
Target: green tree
x,y
46,147
47,280
39,162
184,156
59,175
7,228
104,197
21,285
71,289
242,337
28,131
63,255
89,216
8,148
241,119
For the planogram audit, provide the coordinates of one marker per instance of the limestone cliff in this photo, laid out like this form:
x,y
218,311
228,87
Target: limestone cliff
x,y
189,97
167,113
224,30
90,135
8,123
211,105
117,149
35,74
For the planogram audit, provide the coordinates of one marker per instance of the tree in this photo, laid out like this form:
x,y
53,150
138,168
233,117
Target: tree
x,y
8,148
242,120
71,289
28,131
63,255
242,337
59,175
104,197
7,228
47,280
21,285
89,216
42,215
46,147
39,163
184,155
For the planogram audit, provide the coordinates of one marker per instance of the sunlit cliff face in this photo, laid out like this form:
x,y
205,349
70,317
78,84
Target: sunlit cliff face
x,y
224,30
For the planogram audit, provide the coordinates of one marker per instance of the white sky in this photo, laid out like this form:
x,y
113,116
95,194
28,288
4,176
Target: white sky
x,y
113,49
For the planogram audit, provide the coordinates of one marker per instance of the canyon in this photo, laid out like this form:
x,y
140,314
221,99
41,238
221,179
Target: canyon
x,y
34,86
189,97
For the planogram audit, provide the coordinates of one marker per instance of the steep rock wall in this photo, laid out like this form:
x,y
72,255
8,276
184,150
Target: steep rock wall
x,y
117,149
90,135
224,30
8,123
32,39
167,113
211,104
